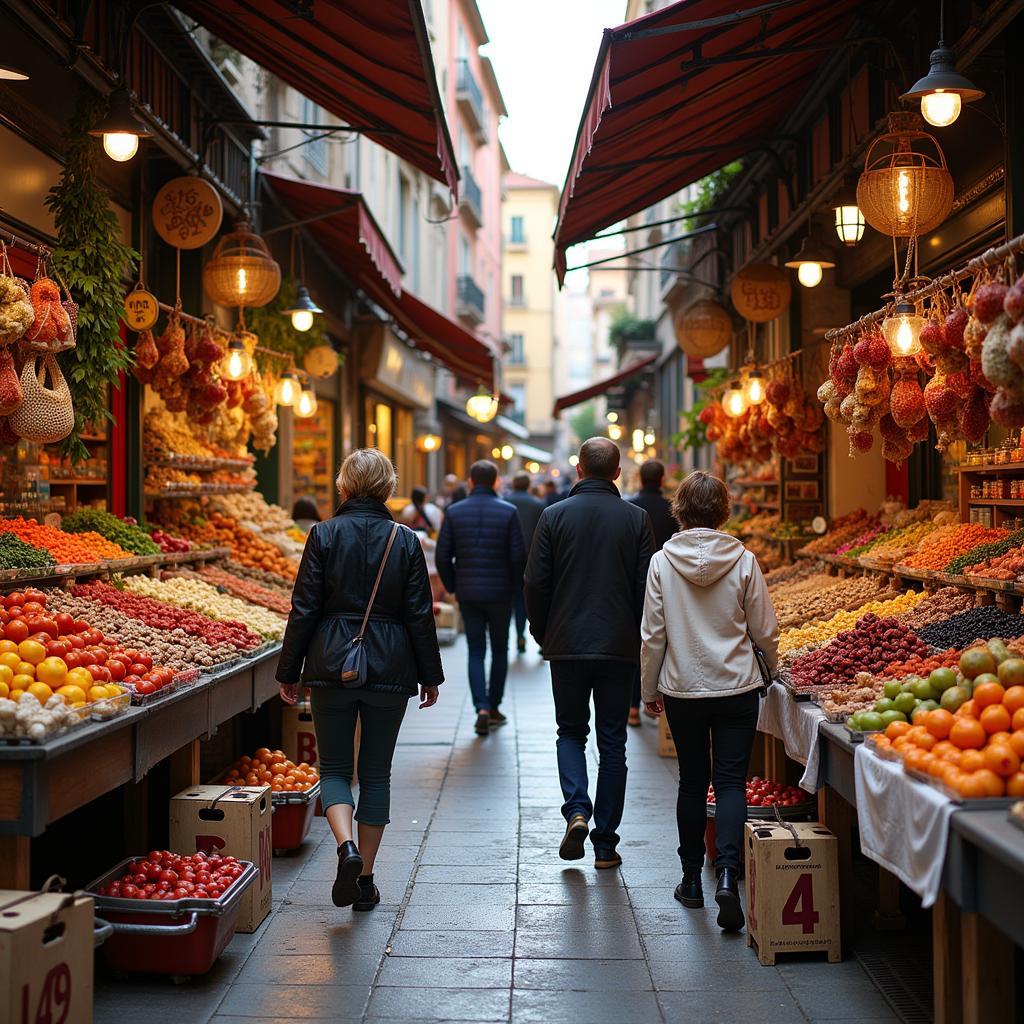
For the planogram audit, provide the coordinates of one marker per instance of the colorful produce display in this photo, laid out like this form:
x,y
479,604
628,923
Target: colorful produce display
x,y
66,548
976,624
124,532
245,589
272,768
246,547
170,544
821,631
163,875
767,793
959,541
842,530
16,554
819,596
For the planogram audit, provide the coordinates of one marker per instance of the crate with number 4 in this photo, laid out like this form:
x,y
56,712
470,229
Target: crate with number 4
x,y
792,889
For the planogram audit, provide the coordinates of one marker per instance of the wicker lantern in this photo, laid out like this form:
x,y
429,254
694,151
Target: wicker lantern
x,y
241,271
906,189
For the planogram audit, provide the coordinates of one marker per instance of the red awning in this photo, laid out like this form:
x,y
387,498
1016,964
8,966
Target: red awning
x,y
664,110
342,224
368,64
593,390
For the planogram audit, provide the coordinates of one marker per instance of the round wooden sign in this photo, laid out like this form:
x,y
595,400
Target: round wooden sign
x,y
187,212
760,292
703,329
141,310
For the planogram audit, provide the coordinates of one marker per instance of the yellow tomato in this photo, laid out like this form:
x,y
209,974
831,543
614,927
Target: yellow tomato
x,y
4,690
25,668
7,646
72,694
79,677
98,693
41,692
112,690
12,659
22,682
32,650
52,671
16,695
6,674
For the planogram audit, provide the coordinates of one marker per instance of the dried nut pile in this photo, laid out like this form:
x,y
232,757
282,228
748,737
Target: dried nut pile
x,y
207,600
939,553
938,605
814,604
270,580
1008,566
792,573
977,624
896,543
247,590
164,478
254,511
823,630
164,434
849,698
843,530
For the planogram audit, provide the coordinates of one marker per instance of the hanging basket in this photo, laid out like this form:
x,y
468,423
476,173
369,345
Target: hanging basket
x,y
905,190
241,271
46,414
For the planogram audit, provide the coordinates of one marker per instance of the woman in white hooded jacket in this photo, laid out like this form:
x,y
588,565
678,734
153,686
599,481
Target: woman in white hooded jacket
x,y
706,605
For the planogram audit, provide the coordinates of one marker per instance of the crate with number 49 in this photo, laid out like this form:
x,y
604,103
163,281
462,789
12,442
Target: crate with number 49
x,y
792,889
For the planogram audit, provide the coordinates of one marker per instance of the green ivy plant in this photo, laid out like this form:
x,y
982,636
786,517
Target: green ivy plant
x,y
94,262
274,328
694,433
626,327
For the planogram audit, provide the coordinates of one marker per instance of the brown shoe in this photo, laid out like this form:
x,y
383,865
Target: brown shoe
x,y
576,833
606,857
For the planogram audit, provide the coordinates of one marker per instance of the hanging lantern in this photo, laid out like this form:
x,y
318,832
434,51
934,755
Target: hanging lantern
x,y
849,218
241,271
428,443
302,310
483,406
754,387
906,189
320,361
734,401
237,363
811,259
305,404
943,90
288,390
119,128
902,330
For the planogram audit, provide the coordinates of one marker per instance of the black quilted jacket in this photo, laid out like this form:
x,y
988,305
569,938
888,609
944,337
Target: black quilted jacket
x,y
331,591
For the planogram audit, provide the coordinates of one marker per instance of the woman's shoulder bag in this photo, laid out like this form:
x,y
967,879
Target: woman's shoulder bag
x,y
353,668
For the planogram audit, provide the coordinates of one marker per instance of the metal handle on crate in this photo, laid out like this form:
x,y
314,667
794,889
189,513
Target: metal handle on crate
x,y
187,928
101,931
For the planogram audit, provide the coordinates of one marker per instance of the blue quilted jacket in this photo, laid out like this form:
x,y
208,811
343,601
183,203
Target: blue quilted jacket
x,y
480,551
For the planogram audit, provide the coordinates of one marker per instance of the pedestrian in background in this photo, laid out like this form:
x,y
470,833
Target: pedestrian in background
x,y
334,590
585,583
453,490
305,513
529,510
706,605
422,515
480,557
663,524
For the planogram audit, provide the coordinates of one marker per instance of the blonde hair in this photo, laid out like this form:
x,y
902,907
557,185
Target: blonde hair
x,y
367,473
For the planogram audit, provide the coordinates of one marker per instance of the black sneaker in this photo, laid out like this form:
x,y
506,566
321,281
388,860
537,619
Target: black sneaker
x,y
345,890
369,894
605,857
521,644
576,832
483,723
497,718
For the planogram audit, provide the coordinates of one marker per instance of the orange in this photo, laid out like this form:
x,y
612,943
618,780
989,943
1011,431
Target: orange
x,y
921,737
968,734
1013,699
1000,737
917,760
939,722
949,773
25,668
937,768
278,769
32,651
12,659
7,646
40,691
6,674
72,694
22,682
994,785
966,710
995,718
972,761
972,786
988,693
943,747
896,729
1015,784
1017,742
1001,760
4,690
1018,719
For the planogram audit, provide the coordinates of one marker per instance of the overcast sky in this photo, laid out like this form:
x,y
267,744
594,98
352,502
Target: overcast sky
x,y
544,53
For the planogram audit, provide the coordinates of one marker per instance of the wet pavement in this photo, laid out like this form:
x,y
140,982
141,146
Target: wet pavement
x,y
481,921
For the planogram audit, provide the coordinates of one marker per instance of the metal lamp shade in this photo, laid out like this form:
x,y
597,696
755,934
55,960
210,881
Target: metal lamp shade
x,y
906,189
943,80
241,271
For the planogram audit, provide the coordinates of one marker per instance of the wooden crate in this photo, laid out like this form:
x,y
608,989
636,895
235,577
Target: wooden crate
x,y
792,889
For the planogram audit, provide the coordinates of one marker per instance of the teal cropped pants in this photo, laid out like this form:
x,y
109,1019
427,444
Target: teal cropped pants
x,y
335,713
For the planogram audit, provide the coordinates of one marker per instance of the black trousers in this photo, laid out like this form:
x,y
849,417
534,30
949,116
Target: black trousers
x,y
713,738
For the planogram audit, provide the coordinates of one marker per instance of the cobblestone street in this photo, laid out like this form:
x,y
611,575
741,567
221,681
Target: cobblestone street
x,y
480,920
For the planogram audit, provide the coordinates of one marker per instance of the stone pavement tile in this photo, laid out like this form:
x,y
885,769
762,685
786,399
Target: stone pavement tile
x,y
594,897
657,897
446,854
546,853
156,1000
575,917
707,975
420,972
453,944
303,931
538,1007
419,1004
336,1002
583,975
467,874
317,892
269,968
499,835
710,949
582,945
577,872
644,876
728,1006
678,920
446,894
844,998
476,918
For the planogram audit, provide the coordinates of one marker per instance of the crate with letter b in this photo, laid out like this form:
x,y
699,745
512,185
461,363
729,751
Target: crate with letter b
x,y
792,883
298,734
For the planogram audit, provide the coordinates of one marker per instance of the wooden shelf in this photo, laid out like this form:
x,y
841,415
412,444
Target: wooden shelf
x,y
1008,502
84,481
993,467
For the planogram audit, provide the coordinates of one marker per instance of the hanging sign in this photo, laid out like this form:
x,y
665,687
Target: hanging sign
x,y
141,310
320,361
760,292
703,329
187,212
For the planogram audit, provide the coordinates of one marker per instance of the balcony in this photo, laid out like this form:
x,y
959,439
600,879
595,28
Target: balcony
x,y
470,99
469,300
471,198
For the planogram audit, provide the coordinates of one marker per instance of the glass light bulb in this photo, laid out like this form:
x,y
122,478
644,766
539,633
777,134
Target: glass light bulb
x,y
734,402
242,280
236,364
507,451
302,319
940,108
809,274
904,336
649,438
120,146
755,390
495,453
638,440
287,391
612,417
614,432
903,192
574,461
306,404
849,224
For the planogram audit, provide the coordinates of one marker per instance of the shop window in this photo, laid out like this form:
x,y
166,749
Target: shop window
x,y
315,150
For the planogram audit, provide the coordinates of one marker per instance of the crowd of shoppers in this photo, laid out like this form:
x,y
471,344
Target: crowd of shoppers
x,y
636,601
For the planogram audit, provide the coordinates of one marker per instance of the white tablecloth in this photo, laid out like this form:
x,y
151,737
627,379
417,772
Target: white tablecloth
x,y
796,724
904,824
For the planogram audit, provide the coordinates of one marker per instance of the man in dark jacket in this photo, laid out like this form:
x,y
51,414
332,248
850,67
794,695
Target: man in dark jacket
x,y
585,584
664,525
480,559
529,509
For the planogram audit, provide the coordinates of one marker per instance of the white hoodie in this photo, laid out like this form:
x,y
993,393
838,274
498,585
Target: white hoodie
x,y
706,600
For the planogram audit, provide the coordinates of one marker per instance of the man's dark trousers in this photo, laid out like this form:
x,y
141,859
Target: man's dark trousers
x,y
483,620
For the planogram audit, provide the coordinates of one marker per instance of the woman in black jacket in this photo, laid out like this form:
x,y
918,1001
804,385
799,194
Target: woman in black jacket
x,y
339,565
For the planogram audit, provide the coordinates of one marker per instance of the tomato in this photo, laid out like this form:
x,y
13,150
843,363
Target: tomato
x,y
91,635
100,673
100,654
114,889
16,630
115,669
145,659
129,891
57,648
80,626
86,658
137,668
145,686
77,643
154,871
167,875
65,623
37,596
32,608
15,599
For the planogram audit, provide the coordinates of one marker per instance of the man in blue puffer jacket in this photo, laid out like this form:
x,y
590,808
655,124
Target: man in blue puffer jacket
x,y
480,559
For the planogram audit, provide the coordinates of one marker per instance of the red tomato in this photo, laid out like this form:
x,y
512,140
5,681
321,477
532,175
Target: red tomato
x,y
100,673
115,669
77,643
36,595
16,630
129,891
145,659
100,654
65,623
15,599
137,668
92,636
81,626
144,686
32,608
57,648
